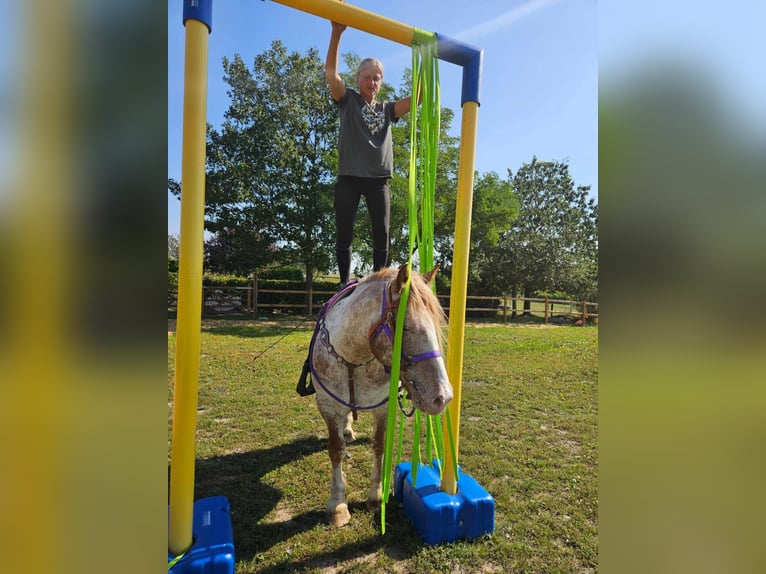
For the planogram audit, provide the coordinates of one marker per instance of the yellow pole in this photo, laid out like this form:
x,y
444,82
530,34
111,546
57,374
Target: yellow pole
x,y
458,292
358,18
189,289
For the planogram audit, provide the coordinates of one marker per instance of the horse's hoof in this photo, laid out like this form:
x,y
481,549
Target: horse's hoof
x,y
341,516
348,435
373,504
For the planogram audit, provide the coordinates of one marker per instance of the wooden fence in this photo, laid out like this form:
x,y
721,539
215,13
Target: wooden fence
x,y
221,300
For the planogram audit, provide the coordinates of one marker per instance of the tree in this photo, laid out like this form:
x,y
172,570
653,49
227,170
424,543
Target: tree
x,y
493,210
271,165
174,244
445,192
553,244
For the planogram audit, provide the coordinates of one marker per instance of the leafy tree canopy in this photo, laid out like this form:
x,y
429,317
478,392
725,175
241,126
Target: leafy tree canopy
x,y
553,244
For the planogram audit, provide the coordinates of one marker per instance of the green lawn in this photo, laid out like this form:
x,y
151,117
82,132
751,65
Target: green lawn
x,y
528,435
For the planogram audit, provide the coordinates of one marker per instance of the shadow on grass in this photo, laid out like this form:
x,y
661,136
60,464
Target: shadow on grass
x,y
238,478
343,558
350,557
244,326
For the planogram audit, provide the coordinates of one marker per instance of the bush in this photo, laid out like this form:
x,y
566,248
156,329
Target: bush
x,y
267,299
443,285
267,302
485,308
172,288
553,295
172,281
220,280
286,273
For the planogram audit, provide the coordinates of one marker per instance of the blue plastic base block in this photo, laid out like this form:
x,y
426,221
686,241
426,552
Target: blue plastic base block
x,y
212,551
439,517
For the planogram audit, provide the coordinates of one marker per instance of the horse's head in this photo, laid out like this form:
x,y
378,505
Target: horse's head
x,y
422,366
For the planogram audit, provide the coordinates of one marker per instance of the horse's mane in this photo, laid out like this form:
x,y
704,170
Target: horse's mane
x,y
422,299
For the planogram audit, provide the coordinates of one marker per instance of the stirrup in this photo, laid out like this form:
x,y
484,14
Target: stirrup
x,y
302,389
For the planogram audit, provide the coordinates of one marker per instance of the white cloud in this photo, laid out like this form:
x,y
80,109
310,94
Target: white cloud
x,y
503,21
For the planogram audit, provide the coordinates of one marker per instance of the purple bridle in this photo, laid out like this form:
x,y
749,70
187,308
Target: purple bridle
x,y
385,324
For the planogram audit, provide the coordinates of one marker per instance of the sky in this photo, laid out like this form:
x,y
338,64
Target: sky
x,y
722,44
539,86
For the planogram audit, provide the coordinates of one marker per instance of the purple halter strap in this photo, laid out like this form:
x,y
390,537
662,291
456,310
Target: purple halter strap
x,y
386,324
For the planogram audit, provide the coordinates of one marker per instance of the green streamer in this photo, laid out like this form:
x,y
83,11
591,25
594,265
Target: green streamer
x,y
429,442
422,168
401,438
396,359
416,449
438,455
178,558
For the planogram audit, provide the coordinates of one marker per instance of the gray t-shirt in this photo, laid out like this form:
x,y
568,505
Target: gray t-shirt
x,y
364,143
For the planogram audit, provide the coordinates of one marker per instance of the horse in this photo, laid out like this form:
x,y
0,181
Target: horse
x,y
350,361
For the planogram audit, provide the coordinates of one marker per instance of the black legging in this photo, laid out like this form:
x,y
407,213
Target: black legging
x,y
348,192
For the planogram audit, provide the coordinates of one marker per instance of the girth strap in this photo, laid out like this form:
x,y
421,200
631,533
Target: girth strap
x,y
351,390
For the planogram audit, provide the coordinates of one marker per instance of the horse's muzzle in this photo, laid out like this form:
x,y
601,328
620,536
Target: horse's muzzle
x,y
427,401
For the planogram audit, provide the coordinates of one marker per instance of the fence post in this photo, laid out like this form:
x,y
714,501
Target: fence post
x,y
310,300
584,313
546,311
514,303
255,294
505,308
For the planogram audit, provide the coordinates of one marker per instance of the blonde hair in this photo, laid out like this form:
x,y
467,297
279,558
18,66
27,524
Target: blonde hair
x,y
368,63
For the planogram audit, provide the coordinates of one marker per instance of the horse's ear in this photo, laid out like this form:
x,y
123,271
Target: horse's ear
x,y
431,275
402,277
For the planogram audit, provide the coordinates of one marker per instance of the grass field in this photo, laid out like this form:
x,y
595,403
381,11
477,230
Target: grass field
x,y
528,435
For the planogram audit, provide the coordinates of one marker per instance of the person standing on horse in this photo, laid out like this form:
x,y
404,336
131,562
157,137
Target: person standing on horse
x,y
365,154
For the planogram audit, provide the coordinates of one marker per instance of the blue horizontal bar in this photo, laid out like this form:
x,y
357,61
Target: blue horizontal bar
x,y
470,58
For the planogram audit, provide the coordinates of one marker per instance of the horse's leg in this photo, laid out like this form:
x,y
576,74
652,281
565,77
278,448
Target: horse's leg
x,y
336,506
378,438
348,432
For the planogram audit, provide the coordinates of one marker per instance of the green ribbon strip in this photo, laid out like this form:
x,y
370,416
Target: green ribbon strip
x,y
422,168
175,560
